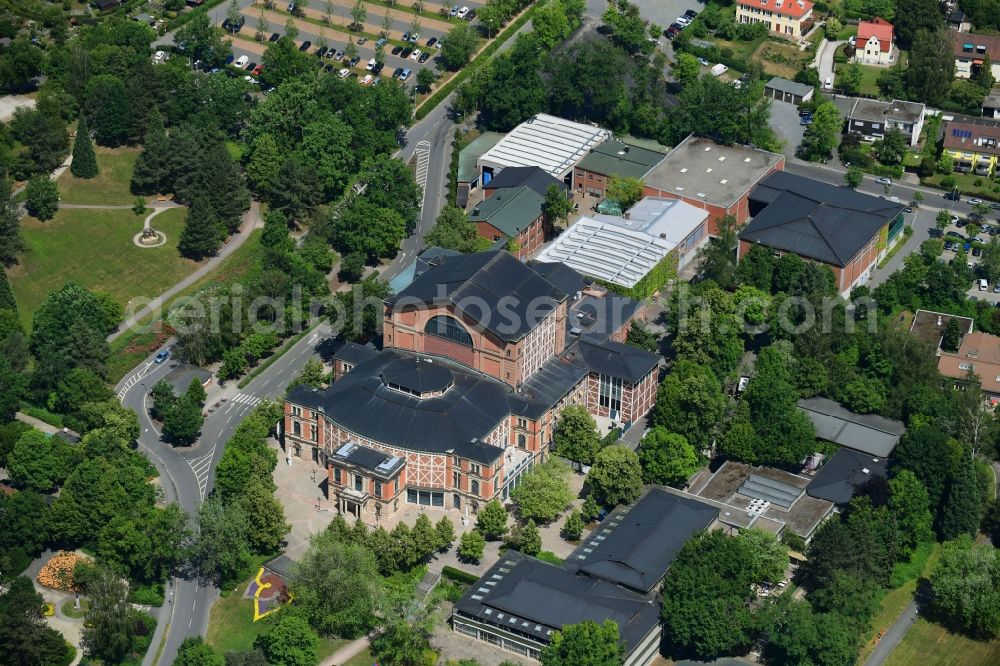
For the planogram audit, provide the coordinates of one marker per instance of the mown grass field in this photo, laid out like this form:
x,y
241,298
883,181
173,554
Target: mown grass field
x,y
94,248
110,187
929,643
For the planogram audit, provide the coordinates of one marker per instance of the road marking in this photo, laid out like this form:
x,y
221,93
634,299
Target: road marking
x,y
246,399
422,152
201,467
133,380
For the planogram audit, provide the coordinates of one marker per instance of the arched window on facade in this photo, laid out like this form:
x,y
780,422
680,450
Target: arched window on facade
x,y
448,328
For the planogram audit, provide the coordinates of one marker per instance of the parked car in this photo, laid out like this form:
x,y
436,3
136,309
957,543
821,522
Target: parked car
x,y
370,65
882,180
690,13
354,61
414,36
396,50
461,13
229,59
948,245
975,201
406,36
405,74
162,356
274,37
952,196
381,41
232,27
258,69
159,57
321,51
397,72
995,206
959,222
330,52
996,289
367,80
454,10
339,56
252,66
406,52
343,73
977,251
703,61
416,54
242,61
305,45
828,84
424,57
249,79
377,69
362,40
432,41
806,120
683,20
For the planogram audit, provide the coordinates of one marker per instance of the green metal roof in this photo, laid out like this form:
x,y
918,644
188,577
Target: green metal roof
x,y
467,157
510,209
624,157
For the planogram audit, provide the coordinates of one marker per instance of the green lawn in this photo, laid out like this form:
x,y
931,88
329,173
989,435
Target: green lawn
x,y
869,78
94,248
929,643
363,658
986,189
893,603
110,187
130,348
231,626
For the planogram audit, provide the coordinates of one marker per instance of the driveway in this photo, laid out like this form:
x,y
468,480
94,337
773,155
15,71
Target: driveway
x,y
824,60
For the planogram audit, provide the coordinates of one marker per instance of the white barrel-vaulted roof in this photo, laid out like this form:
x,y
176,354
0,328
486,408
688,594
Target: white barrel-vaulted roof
x,y
548,142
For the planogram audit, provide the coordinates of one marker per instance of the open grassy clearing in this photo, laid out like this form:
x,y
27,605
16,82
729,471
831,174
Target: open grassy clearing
x,y
110,187
94,248
929,643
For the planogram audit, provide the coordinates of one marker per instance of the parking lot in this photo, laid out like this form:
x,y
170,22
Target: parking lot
x,y
337,35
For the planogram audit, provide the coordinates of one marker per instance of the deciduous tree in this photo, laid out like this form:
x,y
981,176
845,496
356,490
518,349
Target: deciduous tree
x,y
667,458
576,437
41,197
543,493
492,520
616,475
584,644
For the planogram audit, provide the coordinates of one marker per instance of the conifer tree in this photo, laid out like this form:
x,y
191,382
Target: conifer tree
x,y
152,168
200,237
84,161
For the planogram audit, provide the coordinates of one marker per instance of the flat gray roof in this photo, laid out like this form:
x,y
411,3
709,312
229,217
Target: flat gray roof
x,y
792,87
878,111
868,433
702,169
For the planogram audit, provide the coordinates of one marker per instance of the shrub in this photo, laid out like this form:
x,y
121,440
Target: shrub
x,y
147,595
458,575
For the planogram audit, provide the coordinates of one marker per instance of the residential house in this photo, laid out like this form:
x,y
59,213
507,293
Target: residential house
x,y
621,157
613,575
837,226
713,177
873,44
872,118
973,144
972,50
480,354
783,90
791,19
979,354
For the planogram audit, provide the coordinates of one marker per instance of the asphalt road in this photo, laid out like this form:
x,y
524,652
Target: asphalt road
x,y
188,472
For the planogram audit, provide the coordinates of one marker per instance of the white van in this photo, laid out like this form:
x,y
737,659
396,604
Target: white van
x,y
983,284
242,61
828,83
462,12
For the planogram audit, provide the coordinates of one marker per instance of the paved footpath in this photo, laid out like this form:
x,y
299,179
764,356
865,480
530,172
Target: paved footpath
x,y
893,635
251,220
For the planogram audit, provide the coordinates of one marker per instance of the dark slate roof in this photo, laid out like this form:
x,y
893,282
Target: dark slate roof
x,y
562,276
869,433
635,545
536,598
838,479
550,384
601,317
816,220
354,353
282,566
455,422
68,435
378,462
531,176
417,377
608,357
472,282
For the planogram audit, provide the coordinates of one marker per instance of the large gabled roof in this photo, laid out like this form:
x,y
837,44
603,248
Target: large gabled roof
x,y
635,545
479,285
510,210
533,177
816,220
607,357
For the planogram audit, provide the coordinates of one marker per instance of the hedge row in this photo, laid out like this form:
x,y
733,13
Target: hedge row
x,y
431,102
458,575
173,24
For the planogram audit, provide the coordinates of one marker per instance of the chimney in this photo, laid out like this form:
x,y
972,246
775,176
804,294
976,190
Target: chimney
x,y
475,211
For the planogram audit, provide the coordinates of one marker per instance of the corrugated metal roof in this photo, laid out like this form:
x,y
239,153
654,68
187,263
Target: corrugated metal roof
x,y
551,143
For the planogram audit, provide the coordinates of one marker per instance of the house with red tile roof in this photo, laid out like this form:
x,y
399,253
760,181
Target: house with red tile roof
x,y
791,19
874,44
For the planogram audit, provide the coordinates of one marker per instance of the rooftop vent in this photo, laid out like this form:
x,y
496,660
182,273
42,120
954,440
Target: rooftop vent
x,y
708,170
865,470
722,158
708,148
679,188
684,170
746,160
723,181
701,195
475,211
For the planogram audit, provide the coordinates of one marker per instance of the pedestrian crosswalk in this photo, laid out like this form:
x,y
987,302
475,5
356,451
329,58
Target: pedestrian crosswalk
x,y
246,399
